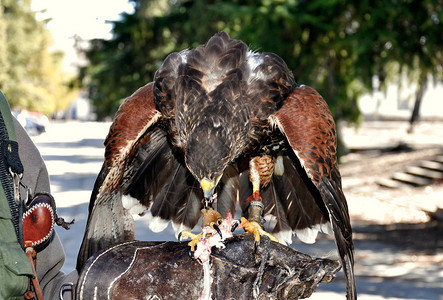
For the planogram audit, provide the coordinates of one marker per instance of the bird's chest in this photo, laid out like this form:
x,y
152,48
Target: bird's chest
x,y
265,141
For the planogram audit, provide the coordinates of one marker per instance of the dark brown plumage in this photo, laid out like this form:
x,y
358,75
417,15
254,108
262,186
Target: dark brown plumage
x,y
218,118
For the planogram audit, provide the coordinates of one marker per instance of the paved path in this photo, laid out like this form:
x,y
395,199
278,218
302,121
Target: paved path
x,y
73,152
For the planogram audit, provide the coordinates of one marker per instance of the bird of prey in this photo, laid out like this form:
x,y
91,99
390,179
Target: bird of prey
x,y
222,127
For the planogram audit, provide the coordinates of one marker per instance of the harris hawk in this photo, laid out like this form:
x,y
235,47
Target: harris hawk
x,y
222,127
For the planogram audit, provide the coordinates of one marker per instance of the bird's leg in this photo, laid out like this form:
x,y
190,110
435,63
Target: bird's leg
x,y
260,172
255,224
254,178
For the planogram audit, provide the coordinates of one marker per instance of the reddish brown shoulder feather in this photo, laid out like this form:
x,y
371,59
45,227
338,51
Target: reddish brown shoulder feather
x,y
136,114
308,125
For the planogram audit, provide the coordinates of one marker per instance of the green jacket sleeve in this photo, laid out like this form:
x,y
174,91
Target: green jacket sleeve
x,y
14,265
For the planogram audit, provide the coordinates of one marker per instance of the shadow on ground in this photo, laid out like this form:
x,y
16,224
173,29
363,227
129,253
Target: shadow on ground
x,y
426,238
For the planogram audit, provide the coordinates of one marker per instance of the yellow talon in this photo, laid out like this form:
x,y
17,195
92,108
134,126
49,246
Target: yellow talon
x,y
195,238
211,219
256,229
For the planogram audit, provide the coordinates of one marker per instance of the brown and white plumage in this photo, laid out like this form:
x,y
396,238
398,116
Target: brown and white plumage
x,y
221,112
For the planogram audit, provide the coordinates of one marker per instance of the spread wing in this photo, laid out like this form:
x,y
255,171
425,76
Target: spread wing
x,y
141,171
108,222
311,170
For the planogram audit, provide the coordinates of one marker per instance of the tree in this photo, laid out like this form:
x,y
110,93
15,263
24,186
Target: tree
x,y
338,46
31,76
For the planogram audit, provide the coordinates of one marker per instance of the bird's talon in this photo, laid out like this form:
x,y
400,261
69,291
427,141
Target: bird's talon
x,y
256,229
256,243
234,227
191,253
215,226
195,239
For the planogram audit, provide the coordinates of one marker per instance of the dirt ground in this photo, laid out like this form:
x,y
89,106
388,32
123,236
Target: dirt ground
x,y
395,219
375,155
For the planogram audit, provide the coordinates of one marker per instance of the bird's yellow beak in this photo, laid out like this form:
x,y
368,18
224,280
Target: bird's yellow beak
x,y
208,190
207,185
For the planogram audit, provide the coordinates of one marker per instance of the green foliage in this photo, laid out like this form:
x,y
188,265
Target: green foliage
x,y
31,76
336,46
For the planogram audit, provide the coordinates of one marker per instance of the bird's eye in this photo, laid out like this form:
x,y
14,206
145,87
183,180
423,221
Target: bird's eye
x,y
219,221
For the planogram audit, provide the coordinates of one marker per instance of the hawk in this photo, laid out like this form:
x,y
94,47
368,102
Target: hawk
x,y
222,127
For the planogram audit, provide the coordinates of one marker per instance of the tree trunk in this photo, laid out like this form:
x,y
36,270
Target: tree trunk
x,y
416,110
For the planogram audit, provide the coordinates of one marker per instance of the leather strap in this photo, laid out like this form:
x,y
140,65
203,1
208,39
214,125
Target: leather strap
x,y
5,176
32,255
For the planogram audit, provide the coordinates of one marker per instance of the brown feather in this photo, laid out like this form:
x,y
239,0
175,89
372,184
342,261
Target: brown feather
x,y
264,166
310,130
136,114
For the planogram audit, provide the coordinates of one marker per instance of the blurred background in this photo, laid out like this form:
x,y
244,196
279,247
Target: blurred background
x,y
66,66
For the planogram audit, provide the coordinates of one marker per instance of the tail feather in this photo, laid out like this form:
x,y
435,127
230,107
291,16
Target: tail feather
x,y
108,224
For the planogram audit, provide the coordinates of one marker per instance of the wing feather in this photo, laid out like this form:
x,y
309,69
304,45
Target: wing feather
x,y
159,179
305,211
108,222
307,124
275,205
174,195
337,207
290,205
149,167
188,211
227,191
245,187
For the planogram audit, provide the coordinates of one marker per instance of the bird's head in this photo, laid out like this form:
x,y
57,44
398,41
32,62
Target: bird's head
x,y
207,154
